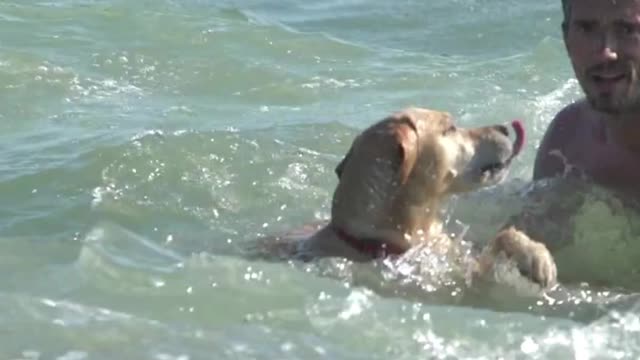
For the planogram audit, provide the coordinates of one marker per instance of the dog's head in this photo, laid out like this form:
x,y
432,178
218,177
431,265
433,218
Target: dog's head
x,y
428,151
415,157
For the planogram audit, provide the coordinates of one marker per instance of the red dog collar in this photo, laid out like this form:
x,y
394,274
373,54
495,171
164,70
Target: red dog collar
x,y
372,247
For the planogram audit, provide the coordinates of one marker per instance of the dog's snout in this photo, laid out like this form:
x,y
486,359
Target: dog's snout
x,y
503,129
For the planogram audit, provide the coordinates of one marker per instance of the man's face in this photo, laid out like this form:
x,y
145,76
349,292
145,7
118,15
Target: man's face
x,y
603,42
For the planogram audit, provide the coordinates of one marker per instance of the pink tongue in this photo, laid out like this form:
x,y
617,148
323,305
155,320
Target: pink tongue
x,y
520,136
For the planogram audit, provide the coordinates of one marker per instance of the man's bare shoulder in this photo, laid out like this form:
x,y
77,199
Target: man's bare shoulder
x,y
560,135
569,118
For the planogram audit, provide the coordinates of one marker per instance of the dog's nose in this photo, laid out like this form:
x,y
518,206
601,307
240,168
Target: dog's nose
x,y
503,129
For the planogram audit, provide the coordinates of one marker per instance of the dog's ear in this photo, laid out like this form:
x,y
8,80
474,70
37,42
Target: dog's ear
x,y
407,140
340,167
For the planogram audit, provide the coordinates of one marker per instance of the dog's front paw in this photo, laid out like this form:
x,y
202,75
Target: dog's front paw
x,y
537,264
533,259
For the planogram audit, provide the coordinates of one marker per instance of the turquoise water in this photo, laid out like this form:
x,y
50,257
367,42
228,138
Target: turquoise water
x,y
144,142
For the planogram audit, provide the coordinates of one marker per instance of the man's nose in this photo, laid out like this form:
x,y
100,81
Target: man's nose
x,y
608,50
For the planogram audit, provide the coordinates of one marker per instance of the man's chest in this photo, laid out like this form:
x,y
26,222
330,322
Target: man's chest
x,y
607,165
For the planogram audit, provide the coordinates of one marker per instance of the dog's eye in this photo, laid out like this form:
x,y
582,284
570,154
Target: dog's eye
x,y
450,130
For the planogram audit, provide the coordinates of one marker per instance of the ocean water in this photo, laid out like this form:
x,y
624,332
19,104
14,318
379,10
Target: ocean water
x,y
144,143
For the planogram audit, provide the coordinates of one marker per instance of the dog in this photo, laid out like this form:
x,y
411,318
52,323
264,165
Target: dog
x,y
392,183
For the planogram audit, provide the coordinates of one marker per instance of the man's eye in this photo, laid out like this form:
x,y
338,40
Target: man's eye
x,y
629,29
585,27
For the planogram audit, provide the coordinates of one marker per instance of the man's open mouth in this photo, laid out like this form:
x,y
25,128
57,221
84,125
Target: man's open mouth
x,y
608,79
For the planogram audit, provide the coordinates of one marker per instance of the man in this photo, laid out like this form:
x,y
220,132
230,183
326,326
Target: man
x,y
593,141
599,136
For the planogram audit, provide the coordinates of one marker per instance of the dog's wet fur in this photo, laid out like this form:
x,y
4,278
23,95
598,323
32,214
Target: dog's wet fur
x,y
394,180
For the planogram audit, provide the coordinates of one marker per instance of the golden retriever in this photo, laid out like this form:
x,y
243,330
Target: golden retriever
x,y
393,182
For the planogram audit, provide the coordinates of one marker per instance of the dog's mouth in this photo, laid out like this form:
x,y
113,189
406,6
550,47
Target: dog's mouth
x,y
496,168
493,168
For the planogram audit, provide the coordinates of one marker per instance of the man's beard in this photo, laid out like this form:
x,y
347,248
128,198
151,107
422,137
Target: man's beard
x,y
617,103
609,105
